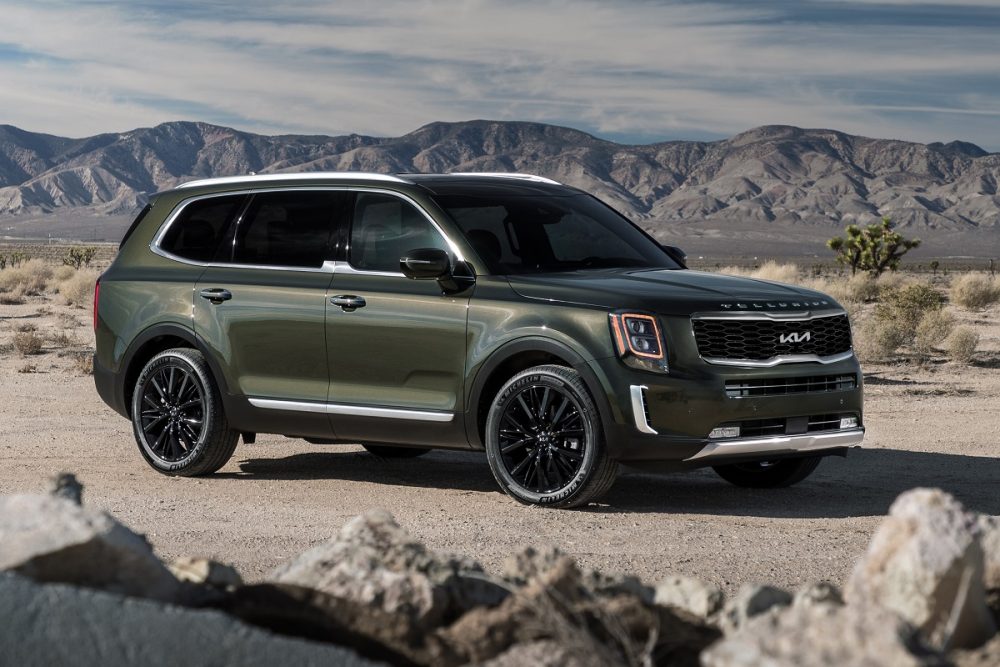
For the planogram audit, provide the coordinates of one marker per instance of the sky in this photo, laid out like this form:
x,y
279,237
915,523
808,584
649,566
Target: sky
x,y
634,71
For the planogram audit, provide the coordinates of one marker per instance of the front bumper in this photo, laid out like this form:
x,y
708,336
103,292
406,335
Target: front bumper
x,y
663,421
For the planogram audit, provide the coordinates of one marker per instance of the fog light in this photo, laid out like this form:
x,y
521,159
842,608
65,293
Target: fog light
x,y
725,432
848,422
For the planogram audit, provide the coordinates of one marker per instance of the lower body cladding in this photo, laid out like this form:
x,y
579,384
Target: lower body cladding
x,y
718,416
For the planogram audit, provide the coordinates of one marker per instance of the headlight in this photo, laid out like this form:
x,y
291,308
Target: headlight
x,y
639,342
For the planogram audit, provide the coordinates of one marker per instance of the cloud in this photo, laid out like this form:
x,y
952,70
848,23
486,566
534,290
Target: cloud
x,y
639,68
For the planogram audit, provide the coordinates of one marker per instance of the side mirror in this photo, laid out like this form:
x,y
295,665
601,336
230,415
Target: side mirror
x,y
425,264
676,254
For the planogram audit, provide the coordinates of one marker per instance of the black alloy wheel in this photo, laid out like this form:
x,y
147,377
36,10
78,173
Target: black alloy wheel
x,y
544,440
177,415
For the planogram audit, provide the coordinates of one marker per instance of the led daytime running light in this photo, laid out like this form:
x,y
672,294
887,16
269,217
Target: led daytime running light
x,y
625,342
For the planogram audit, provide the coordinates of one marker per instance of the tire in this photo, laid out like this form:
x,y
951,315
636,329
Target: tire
x,y
768,474
544,440
390,452
177,416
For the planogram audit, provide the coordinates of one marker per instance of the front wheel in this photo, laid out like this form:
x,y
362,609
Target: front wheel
x,y
544,441
768,474
177,416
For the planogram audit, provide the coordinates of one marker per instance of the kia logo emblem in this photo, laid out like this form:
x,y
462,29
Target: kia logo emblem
x,y
795,337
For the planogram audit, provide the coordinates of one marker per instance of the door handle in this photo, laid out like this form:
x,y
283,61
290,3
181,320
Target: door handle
x,y
216,294
348,302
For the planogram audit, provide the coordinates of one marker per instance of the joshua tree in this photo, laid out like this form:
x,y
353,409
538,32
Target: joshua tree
x,y
875,248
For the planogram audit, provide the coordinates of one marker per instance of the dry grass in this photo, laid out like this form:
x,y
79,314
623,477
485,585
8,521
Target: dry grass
x,y
974,291
962,344
878,339
82,363
28,342
934,327
78,290
64,339
30,278
63,273
769,270
28,368
15,297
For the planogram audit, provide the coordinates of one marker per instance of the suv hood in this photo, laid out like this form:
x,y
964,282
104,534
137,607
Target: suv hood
x,y
669,292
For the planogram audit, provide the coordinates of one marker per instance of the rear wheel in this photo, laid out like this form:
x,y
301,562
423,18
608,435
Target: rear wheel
x,y
177,416
544,440
768,474
390,452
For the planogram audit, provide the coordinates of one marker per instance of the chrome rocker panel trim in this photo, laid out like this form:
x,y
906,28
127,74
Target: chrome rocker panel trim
x,y
353,410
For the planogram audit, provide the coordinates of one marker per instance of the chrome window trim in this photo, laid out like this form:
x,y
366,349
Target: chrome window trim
x,y
297,176
353,410
716,449
327,267
420,209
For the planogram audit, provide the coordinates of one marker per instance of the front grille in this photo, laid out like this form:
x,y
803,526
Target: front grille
x,y
764,428
763,339
781,386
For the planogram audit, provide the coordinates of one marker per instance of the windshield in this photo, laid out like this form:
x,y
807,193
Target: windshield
x,y
540,234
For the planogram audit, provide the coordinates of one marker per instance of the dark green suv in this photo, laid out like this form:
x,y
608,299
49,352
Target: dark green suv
x,y
497,312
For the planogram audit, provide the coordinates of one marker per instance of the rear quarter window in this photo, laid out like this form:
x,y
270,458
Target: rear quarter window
x,y
199,229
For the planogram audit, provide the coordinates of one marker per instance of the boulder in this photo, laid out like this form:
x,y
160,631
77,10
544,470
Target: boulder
x,y
989,539
51,538
751,601
206,572
373,561
692,595
925,563
822,592
823,635
57,624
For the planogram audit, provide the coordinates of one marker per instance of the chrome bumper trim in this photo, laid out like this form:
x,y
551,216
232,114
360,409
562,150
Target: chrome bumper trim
x,y
785,444
783,359
639,408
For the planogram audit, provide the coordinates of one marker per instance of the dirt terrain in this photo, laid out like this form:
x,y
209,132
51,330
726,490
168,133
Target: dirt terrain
x,y
934,424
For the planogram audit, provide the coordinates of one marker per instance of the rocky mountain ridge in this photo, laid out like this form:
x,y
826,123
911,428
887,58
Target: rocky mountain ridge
x,y
778,175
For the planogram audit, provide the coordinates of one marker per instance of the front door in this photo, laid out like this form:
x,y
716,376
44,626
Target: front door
x,y
396,347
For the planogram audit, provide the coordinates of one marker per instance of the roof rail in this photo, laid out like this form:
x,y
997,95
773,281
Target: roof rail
x,y
503,174
300,176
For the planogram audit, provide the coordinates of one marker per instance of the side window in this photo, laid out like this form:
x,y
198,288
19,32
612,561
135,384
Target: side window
x,y
196,234
291,228
384,229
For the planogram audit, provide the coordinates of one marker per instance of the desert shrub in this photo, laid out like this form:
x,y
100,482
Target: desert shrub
x,y
908,305
27,343
974,291
932,329
857,289
30,277
83,362
67,321
14,297
962,344
779,273
28,368
877,339
63,273
79,290
63,339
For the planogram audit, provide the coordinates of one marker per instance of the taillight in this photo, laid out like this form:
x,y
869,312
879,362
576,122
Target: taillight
x,y
638,341
97,295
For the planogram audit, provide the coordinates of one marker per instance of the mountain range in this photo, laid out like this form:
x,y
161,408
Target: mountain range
x,y
772,175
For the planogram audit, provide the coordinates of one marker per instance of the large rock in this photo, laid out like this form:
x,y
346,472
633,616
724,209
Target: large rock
x,y
926,564
51,538
374,561
822,592
823,635
689,594
989,538
751,601
56,624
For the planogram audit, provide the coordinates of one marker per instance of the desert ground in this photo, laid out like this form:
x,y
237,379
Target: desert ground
x,y
931,422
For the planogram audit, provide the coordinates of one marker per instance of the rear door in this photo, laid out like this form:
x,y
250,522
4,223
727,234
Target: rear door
x,y
262,308
397,347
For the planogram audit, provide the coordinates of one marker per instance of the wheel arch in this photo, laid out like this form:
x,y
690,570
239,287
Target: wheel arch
x,y
514,357
152,341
